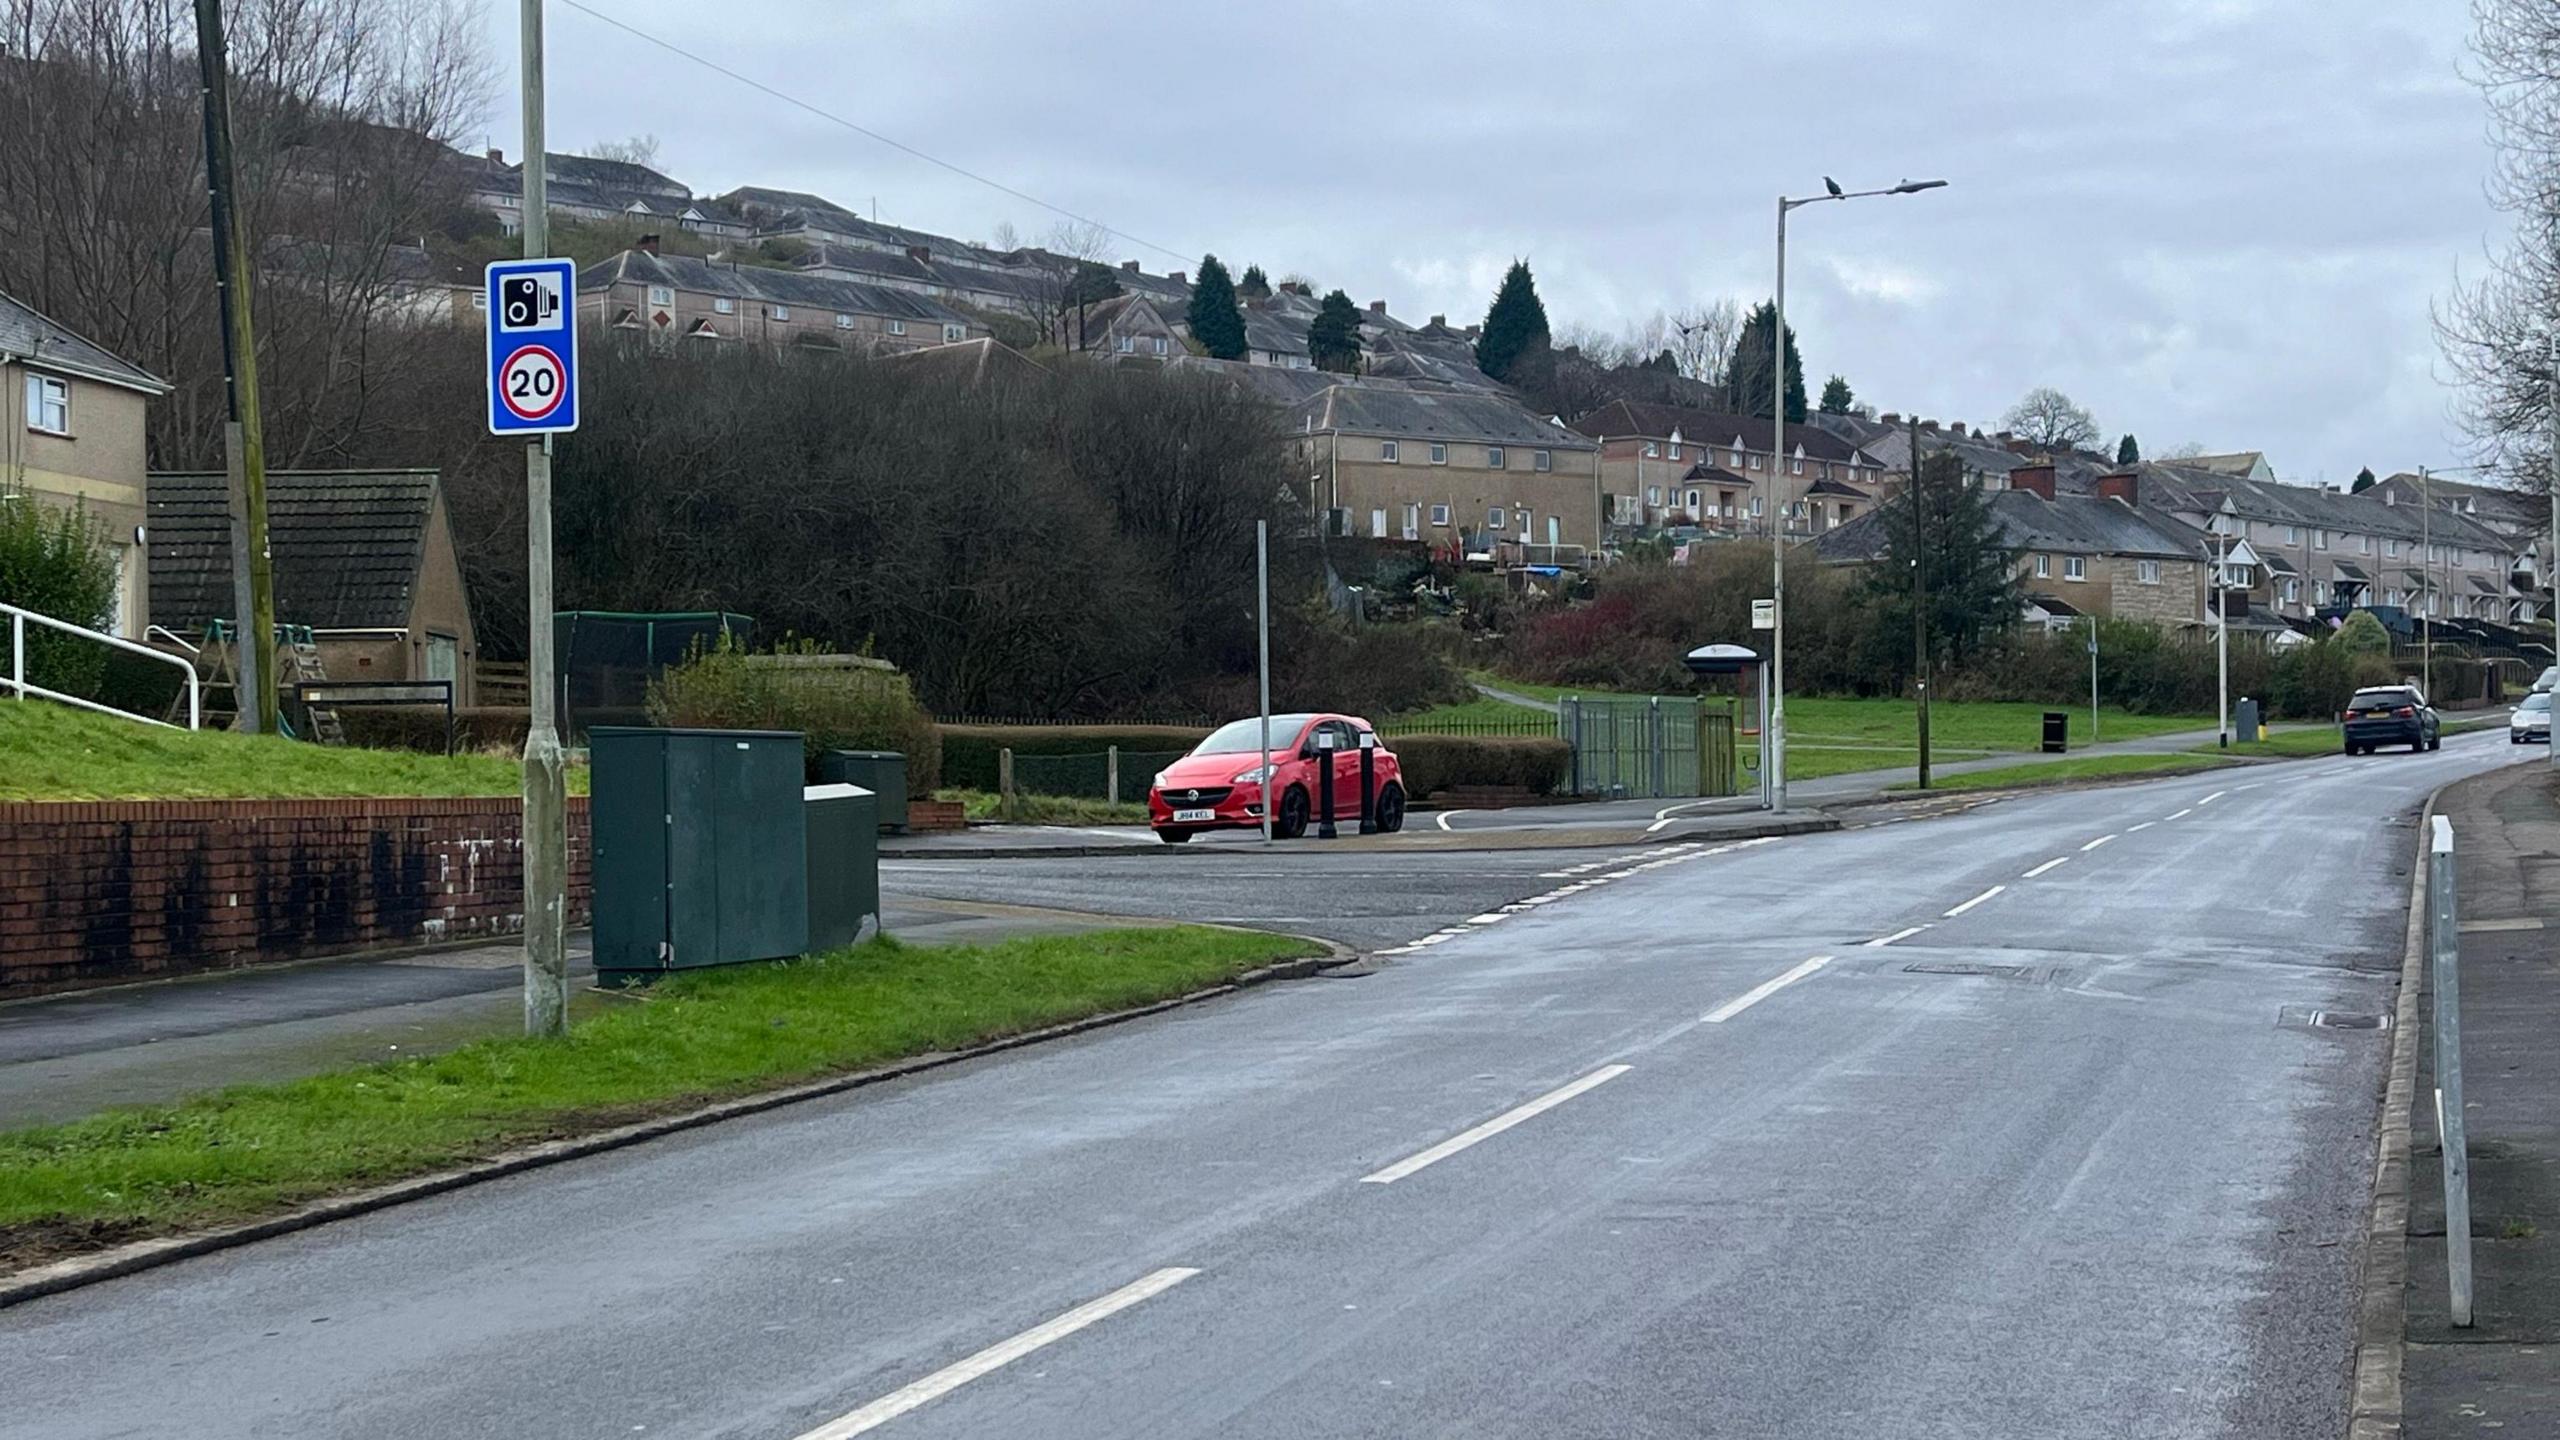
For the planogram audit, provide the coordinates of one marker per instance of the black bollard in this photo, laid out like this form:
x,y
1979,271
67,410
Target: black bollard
x,y
1324,784
1368,785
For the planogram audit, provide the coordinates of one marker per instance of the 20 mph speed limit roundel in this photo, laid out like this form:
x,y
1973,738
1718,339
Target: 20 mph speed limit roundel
x,y
532,383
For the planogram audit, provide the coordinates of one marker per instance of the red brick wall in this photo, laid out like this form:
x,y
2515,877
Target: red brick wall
x,y
94,893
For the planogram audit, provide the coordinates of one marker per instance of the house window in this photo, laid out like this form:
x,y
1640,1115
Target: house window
x,y
2364,544
1493,518
1125,344
2319,592
2293,534
479,299
1755,462
843,321
2146,572
1796,466
723,305
1653,494
781,312
1652,449
1737,457
1542,460
2044,567
661,295
1440,515
1675,449
1439,454
2390,549
2319,539
1755,507
2292,590
1493,458
896,327
1387,451
49,404
2075,567
1160,345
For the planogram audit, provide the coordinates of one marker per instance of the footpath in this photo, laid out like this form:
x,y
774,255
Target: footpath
x,y
2500,1376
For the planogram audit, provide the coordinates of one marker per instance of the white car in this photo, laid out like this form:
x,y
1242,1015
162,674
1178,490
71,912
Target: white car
x,y
2550,679
2531,722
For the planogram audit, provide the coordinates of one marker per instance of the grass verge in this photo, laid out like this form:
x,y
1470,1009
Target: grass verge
x,y
2284,744
2089,767
54,752
256,1150
1046,809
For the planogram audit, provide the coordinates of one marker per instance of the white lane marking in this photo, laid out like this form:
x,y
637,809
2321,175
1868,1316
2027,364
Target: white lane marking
x,y
1904,933
2145,825
2094,844
1764,990
2048,865
1495,1126
995,1357
1445,816
2216,795
1976,900
1658,824
1486,919
2252,785
2181,815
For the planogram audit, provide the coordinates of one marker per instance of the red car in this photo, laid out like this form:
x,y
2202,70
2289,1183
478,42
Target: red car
x,y
1221,783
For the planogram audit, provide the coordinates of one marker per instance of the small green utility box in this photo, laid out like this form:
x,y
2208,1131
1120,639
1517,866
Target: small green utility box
x,y
882,772
701,850
844,864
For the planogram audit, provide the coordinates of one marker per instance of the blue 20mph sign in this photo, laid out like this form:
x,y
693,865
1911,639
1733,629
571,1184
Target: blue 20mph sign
x,y
533,346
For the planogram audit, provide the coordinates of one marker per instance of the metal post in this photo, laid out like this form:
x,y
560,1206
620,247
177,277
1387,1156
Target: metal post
x,y
2550,567
1004,782
1324,783
2222,636
546,803
2445,947
1917,500
1773,730
1768,801
18,655
1262,629
243,436
1111,775
2093,679
2426,583
1368,784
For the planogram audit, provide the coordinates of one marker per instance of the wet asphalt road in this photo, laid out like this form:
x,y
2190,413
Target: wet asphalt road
x,y
2030,1151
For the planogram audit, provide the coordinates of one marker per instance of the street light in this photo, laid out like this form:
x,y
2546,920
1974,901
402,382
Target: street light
x,y
1773,745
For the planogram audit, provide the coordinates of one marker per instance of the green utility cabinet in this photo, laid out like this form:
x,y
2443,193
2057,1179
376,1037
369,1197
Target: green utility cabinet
x,y
882,772
701,849
844,864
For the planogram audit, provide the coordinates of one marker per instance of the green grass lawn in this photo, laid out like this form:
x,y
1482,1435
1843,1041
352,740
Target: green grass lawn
x,y
2284,744
2086,767
258,1149
54,752
1479,711
1050,809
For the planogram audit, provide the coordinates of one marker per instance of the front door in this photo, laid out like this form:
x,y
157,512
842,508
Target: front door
x,y
1377,524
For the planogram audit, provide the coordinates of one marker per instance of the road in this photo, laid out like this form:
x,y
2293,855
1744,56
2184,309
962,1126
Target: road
x,y
1715,1141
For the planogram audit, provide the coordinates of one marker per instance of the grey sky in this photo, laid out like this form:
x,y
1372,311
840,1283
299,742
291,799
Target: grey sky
x,y
2208,220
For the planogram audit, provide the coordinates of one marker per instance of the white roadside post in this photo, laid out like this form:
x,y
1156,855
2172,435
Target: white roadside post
x,y
2444,945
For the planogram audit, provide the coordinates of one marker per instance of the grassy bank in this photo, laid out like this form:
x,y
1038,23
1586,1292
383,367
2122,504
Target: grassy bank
x,y
2086,767
54,752
259,1149
1048,809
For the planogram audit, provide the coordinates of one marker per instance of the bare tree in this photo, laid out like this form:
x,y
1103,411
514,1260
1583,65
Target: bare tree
x,y
1048,290
632,150
1701,337
1004,239
2046,417
2496,329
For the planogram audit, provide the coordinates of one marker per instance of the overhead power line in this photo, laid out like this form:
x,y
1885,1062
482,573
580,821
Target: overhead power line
x,y
865,131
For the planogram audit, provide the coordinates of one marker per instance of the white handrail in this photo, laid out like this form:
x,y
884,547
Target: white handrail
x,y
22,687
173,637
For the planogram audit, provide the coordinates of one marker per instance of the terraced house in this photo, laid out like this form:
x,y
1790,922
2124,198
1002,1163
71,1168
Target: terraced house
x,y
1670,465
71,433
1468,470
680,300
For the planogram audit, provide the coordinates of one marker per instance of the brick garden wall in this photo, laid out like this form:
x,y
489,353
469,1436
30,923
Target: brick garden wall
x,y
95,893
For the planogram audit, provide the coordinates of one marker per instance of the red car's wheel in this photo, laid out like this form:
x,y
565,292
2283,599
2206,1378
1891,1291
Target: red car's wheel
x,y
1291,821
1389,816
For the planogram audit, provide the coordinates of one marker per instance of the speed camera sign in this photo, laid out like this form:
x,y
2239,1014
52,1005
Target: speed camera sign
x,y
533,346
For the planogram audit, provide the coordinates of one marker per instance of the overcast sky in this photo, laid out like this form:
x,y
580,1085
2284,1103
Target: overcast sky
x,y
2218,221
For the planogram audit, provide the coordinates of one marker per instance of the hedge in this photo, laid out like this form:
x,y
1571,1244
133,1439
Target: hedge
x,y
476,728
1437,762
969,751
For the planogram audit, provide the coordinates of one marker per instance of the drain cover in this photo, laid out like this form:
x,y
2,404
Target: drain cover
x,y
1963,967
2331,1019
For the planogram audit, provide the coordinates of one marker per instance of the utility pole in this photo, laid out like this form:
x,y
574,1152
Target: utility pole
x,y
1262,638
2093,677
1773,738
2222,627
546,830
1919,599
2426,583
2550,566
244,445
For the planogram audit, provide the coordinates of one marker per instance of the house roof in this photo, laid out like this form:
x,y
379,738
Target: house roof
x,y
1401,412
2051,604
758,282
2278,564
1712,427
2350,571
1703,473
27,334
2176,485
1828,486
2066,524
973,361
1275,331
347,546
2237,462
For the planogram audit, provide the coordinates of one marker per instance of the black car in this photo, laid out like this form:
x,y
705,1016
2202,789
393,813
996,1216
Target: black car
x,y
2391,715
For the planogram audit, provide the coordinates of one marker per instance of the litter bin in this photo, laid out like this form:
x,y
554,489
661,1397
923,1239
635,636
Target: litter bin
x,y
882,772
701,854
844,863
2057,731
2245,720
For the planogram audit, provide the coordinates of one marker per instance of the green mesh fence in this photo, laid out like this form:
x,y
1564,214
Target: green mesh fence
x,y
1088,776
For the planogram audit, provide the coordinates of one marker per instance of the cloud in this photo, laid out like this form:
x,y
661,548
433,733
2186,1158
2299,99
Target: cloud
x,y
1869,279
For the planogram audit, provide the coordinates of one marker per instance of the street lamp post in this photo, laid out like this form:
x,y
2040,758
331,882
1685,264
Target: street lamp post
x,y
1773,744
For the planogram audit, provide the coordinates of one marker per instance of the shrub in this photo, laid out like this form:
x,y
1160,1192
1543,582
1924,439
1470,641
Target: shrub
x,y
54,561
1433,763
969,751
477,729
834,707
2362,634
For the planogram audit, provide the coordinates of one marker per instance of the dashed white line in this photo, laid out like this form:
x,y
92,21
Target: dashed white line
x,y
2094,844
1976,900
2216,795
2057,860
1905,933
1494,1126
995,1357
2145,825
1764,990
2181,815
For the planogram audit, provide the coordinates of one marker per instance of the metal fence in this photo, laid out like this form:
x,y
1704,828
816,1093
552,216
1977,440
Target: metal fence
x,y
1638,748
1537,729
1112,774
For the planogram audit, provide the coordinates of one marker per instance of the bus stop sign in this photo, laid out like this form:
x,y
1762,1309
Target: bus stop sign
x,y
533,346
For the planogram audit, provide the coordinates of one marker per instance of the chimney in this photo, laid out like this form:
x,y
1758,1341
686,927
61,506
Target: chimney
x,y
1177,277
2124,485
646,244
1129,265
2038,478
497,156
1295,287
1889,418
920,254
1957,428
1439,322
1377,307
1929,427
1474,332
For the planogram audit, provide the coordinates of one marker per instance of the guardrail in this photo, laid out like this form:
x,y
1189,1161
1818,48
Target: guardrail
x,y
21,687
2444,954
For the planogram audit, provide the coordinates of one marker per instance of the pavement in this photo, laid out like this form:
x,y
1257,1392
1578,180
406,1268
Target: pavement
x,y
2005,1123
2501,1376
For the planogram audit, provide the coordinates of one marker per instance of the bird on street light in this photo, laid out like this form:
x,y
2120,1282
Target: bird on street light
x,y
1831,185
